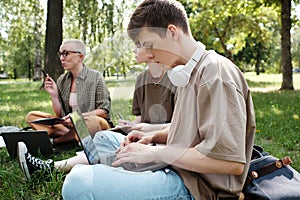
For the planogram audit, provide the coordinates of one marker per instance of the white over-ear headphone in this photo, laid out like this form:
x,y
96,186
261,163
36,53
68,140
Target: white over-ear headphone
x,y
180,75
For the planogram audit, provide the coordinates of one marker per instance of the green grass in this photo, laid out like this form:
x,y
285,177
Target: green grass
x,y
277,116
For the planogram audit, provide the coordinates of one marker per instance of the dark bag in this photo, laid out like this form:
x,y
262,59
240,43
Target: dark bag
x,y
271,178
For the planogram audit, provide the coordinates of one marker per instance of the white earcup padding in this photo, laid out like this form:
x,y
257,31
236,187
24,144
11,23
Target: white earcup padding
x,y
180,75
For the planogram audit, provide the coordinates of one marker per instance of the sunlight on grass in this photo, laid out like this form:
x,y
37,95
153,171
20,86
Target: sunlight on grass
x,y
269,82
276,110
6,98
5,107
277,120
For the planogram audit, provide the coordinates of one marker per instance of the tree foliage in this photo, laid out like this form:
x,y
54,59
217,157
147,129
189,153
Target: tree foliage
x,y
93,21
100,24
247,32
296,45
21,36
243,31
114,56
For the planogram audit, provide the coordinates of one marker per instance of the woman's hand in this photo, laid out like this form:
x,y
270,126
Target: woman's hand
x,y
50,86
67,121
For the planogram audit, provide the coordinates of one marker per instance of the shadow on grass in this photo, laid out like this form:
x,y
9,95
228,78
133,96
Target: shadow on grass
x,y
259,84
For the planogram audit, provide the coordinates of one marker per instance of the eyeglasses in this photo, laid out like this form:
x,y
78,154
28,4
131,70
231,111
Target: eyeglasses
x,y
66,53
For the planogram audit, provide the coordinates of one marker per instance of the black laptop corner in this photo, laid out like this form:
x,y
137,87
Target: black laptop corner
x,y
36,142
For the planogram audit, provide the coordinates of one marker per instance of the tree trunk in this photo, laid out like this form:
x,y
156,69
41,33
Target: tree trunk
x,y
286,58
257,64
53,38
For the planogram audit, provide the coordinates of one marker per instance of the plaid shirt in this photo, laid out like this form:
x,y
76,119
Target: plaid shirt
x,y
91,90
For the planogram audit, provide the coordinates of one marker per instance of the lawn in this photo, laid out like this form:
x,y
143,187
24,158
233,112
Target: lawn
x,y
277,115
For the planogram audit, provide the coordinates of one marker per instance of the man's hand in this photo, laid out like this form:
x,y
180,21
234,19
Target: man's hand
x,y
135,153
67,121
133,136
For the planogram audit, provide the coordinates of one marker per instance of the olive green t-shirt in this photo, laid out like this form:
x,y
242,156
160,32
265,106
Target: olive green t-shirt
x,y
153,100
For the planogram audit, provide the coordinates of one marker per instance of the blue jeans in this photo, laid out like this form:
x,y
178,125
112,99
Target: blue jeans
x,y
104,182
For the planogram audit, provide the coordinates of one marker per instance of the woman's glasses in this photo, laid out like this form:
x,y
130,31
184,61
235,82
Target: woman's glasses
x,y
66,53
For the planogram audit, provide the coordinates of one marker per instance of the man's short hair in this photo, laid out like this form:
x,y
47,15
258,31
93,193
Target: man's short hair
x,y
158,14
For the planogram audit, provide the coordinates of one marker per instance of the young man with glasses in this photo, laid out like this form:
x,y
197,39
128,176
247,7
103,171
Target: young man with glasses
x,y
79,88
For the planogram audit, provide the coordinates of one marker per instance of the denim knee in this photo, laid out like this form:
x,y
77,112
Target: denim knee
x,y
103,182
107,141
74,185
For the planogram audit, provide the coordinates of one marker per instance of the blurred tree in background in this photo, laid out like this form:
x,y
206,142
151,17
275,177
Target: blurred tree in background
x,y
247,32
21,36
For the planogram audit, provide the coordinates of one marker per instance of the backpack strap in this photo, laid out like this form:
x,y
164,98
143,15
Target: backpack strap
x,y
278,164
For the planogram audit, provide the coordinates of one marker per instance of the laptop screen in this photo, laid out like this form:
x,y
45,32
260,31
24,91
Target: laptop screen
x,y
82,132
36,141
94,157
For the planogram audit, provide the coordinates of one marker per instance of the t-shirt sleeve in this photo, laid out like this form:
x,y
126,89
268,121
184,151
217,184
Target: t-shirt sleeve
x,y
221,121
102,95
136,110
135,105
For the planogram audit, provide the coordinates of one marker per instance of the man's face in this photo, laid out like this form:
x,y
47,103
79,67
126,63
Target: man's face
x,y
142,54
152,48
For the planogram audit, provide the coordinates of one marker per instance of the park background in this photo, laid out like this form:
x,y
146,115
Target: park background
x,y
247,32
258,35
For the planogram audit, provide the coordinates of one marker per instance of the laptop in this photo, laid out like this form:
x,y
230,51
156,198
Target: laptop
x,y
82,131
36,142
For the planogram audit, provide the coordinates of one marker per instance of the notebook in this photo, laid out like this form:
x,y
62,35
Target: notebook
x,y
36,141
82,132
48,121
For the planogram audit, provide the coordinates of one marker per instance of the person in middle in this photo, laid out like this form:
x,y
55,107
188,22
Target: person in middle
x,y
154,95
